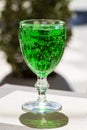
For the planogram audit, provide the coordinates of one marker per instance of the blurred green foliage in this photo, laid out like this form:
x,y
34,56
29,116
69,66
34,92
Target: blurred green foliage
x,y
16,10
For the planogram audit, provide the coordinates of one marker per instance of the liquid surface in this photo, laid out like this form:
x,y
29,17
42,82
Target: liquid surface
x,y
42,48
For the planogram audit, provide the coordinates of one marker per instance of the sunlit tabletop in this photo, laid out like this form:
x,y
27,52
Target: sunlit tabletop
x,y
13,96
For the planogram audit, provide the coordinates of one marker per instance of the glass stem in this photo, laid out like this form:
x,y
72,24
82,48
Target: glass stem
x,y
42,85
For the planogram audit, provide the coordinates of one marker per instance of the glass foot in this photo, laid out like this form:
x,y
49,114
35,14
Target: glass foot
x,y
41,107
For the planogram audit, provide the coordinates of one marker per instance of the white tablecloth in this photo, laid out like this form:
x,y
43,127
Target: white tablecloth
x,y
75,108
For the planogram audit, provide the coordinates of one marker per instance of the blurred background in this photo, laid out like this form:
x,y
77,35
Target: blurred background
x,y
72,70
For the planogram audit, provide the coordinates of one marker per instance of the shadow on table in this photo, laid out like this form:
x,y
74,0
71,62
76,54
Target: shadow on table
x,y
55,80
48,120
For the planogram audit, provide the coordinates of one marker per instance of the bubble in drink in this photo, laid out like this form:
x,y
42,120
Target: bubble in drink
x,y
42,47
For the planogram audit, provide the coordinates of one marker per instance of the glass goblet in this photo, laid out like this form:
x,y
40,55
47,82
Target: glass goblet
x,y
42,43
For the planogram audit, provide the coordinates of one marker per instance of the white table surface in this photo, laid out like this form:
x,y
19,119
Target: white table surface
x,y
74,106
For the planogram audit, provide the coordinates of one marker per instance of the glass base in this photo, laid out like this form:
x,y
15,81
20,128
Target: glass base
x,y
41,107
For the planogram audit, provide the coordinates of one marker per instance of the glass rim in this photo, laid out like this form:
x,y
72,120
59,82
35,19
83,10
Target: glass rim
x,y
43,22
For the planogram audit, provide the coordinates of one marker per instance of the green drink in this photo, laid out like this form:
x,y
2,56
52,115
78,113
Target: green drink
x,y
42,43
42,46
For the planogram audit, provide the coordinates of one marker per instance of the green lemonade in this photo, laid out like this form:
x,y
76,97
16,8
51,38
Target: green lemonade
x,y
42,47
